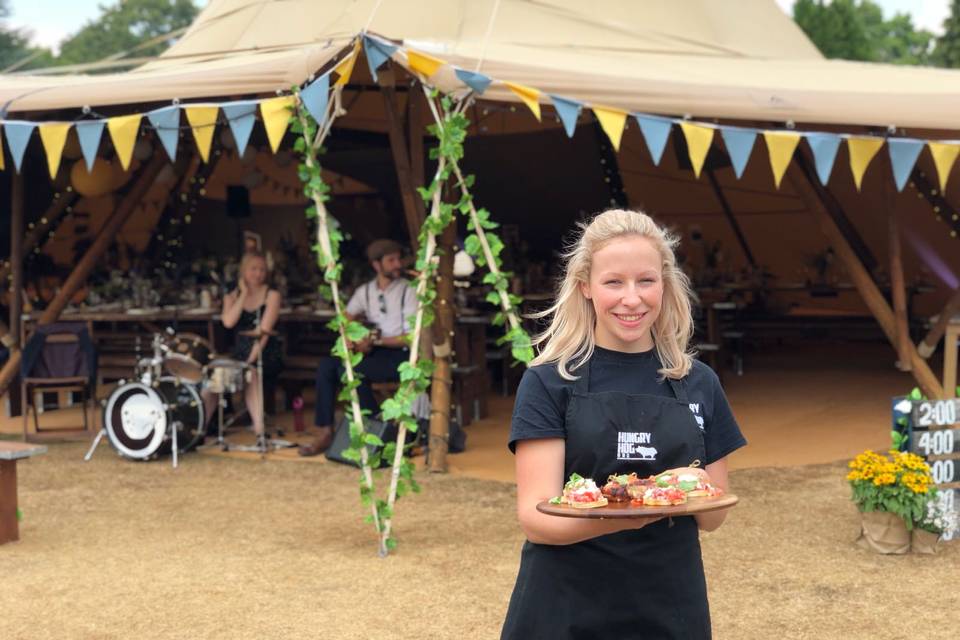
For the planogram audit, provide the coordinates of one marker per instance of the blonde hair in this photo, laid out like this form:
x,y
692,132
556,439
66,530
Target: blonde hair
x,y
570,338
253,255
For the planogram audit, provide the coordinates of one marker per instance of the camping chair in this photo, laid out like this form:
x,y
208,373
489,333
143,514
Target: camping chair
x,y
58,357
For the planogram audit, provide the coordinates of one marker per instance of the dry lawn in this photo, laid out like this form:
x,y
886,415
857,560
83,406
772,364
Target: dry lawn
x,y
238,549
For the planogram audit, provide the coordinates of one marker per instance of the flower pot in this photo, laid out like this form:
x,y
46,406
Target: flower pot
x,y
883,532
924,542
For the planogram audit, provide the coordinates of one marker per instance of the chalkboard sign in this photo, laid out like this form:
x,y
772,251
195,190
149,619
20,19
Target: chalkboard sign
x,y
934,433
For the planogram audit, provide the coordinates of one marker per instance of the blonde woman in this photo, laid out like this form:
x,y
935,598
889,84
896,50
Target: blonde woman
x,y
253,300
614,390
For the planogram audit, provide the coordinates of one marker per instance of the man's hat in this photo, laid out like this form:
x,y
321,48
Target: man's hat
x,y
377,249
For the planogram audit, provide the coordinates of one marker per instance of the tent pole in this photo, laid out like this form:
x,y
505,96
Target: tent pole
x,y
443,338
49,220
832,208
871,295
16,260
413,213
929,343
728,214
897,285
89,260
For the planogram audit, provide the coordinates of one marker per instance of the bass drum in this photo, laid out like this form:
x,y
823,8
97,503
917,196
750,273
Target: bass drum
x,y
137,416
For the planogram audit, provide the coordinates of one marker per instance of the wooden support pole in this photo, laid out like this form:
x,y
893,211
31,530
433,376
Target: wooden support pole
x,y
35,238
16,261
49,220
728,214
871,295
413,210
101,243
443,339
897,283
929,343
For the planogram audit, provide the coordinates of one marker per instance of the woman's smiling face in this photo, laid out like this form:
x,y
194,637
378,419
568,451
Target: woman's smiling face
x,y
626,289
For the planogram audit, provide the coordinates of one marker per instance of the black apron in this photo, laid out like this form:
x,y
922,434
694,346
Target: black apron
x,y
645,583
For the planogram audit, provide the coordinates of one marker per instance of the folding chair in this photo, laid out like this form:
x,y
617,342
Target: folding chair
x,y
58,357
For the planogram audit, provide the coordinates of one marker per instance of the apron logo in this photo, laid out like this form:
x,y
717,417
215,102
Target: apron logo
x,y
695,410
631,446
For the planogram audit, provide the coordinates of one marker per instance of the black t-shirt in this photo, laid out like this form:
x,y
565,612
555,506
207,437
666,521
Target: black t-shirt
x,y
543,395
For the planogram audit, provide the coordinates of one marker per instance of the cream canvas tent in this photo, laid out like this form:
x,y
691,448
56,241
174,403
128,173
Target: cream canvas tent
x,y
739,62
744,60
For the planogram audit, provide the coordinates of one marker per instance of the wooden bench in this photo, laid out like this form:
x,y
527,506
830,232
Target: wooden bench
x,y
10,453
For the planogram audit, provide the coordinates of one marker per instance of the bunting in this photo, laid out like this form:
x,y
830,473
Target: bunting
x,y
89,133
123,131
862,150
656,131
203,124
166,122
824,147
18,137
53,135
944,155
611,121
476,81
698,139
424,64
781,145
241,115
344,68
903,156
529,96
568,111
315,97
739,143
378,52
276,116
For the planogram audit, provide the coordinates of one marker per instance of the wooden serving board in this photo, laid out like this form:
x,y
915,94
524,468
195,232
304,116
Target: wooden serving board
x,y
624,510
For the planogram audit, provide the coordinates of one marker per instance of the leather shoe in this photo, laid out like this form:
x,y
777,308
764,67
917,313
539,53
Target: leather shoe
x,y
318,446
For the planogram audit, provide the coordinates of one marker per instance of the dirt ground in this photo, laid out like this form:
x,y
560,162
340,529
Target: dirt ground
x,y
226,548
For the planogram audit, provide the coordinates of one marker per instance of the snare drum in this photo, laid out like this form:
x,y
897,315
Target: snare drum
x,y
187,356
225,375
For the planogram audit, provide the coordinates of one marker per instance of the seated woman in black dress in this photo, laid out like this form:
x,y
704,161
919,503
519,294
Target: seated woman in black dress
x,y
251,307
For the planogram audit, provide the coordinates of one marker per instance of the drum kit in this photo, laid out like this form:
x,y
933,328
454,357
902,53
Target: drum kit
x,y
161,410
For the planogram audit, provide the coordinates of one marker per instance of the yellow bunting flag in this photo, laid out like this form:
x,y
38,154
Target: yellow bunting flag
x,y
780,145
529,95
862,150
612,121
123,131
203,123
944,155
54,136
699,139
276,116
425,65
344,68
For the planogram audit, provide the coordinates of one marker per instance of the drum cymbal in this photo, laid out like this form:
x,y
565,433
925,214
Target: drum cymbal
x,y
257,333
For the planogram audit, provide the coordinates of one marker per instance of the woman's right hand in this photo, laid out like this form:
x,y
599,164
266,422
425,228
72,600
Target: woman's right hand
x,y
242,288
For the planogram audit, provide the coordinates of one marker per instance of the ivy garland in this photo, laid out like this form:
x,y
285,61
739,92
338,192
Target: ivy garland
x,y
482,244
309,146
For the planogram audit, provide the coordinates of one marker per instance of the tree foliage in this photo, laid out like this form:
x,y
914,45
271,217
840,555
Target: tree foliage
x,y
947,51
857,30
14,43
121,26
124,25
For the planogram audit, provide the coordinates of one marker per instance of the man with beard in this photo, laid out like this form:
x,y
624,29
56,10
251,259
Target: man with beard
x,y
384,303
